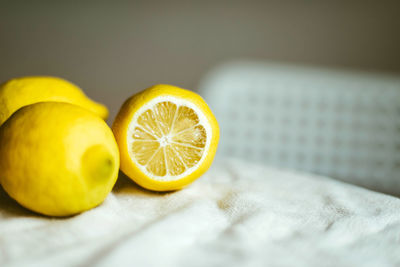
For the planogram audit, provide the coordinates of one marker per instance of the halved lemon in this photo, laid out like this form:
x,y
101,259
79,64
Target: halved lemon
x,y
167,137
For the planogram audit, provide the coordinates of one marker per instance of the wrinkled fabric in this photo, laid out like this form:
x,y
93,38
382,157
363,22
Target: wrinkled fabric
x,y
237,214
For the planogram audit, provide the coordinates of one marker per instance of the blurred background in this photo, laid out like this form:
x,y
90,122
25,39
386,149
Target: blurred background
x,y
113,49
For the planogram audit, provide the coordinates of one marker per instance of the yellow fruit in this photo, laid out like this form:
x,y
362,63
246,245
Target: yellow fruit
x,y
20,92
57,159
167,137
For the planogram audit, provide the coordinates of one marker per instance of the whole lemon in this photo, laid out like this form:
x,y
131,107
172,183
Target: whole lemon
x,y
57,159
24,91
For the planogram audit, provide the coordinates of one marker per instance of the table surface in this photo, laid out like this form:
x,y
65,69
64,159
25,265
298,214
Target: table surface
x,y
238,213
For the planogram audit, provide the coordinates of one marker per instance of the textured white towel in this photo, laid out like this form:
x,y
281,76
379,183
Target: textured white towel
x,y
236,215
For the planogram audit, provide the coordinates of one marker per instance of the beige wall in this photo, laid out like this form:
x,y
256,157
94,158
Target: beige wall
x,y
113,49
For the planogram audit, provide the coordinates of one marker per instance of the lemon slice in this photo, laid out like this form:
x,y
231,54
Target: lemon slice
x,y
167,137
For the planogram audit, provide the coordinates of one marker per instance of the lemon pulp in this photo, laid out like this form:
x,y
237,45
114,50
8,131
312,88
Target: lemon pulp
x,y
168,138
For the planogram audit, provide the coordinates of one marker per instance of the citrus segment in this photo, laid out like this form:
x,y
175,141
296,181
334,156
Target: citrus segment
x,y
174,162
144,150
141,134
165,115
156,164
195,136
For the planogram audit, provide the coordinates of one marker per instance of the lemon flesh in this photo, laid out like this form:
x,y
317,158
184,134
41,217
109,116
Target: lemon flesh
x,y
57,159
20,92
168,139
168,136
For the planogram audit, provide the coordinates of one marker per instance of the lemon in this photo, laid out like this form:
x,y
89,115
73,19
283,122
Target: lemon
x,y
24,91
167,137
57,159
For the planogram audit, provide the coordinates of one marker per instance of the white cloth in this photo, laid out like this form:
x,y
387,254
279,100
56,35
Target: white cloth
x,y
235,215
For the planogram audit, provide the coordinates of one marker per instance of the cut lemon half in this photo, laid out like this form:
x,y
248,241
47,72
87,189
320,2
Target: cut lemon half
x,y
167,137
